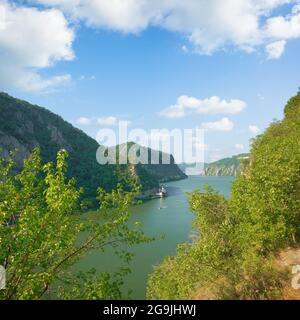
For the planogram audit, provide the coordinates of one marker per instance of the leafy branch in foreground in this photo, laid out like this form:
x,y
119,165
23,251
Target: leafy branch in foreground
x,y
42,233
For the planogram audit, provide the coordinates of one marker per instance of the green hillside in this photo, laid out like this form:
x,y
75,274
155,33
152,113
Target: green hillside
x,y
24,126
226,167
159,171
238,253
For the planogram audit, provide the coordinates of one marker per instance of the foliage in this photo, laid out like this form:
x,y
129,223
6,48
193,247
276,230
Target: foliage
x,y
233,258
40,228
29,126
25,126
292,105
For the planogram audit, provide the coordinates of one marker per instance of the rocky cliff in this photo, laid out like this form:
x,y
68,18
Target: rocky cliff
x,y
226,167
156,163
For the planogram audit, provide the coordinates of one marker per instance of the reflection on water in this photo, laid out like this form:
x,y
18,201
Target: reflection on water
x,y
174,191
170,216
162,204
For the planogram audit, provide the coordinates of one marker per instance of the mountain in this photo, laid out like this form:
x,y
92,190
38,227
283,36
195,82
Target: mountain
x,y
24,126
226,167
158,170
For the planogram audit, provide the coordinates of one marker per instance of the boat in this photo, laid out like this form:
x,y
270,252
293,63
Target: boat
x,y
162,192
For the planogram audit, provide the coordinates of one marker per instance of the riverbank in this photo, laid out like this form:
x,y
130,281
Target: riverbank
x,y
170,217
149,195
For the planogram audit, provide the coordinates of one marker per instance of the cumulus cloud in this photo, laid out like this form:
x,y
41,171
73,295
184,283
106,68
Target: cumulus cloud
x,y
83,121
223,125
128,16
209,25
254,130
108,121
296,9
190,105
103,121
30,40
184,49
275,49
284,27
34,38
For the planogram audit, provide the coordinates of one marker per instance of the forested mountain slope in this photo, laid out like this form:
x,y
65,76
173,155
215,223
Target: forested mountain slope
x,y
240,239
226,167
24,126
160,165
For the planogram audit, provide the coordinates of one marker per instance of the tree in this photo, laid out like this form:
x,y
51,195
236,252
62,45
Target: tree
x,y
40,226
233,257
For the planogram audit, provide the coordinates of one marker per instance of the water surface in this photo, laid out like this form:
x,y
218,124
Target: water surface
x,y
170,216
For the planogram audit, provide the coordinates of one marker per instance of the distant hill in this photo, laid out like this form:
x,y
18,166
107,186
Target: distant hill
x,y
24,126
159,171
226,167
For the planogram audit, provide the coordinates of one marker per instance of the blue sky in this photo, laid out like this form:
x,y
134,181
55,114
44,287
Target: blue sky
x,y
135,71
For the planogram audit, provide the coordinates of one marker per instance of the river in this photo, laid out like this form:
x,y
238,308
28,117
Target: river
x,y
170,216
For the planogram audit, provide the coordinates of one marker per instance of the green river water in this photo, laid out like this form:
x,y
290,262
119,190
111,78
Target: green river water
x,y
169,216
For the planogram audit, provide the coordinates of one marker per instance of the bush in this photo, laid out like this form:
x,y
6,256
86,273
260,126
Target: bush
x,y
233,256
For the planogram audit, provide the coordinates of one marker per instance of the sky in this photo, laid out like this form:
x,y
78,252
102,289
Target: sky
x,y
225,66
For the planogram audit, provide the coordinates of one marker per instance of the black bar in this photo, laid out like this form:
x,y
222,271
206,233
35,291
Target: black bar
x,y
90,310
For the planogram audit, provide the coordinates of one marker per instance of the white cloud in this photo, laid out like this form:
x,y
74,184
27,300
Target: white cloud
x,y
103,121
239,146
296,9
173,112
223,125
184,49
35,83
209,25
129,16
254,130
284,27
275,49
83,121
189,105
30,40
108,121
